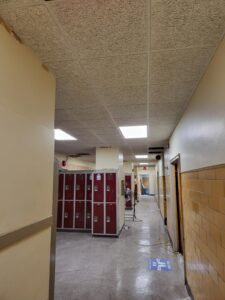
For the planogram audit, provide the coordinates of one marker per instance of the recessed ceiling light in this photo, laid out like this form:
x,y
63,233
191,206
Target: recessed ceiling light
x,y
61,135
141,156
143,164
134,132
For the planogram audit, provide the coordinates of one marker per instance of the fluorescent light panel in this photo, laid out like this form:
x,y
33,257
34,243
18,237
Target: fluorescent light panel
x,y
134,132
141,156
143,164
61,135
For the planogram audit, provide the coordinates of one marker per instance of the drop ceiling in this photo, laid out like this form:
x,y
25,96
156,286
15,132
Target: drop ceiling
x,y
119,63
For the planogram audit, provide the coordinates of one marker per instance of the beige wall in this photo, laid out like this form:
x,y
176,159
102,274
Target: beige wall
x,y
27,93
199,138
74,164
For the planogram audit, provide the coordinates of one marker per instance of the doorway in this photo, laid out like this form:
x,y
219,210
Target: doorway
x,y
178,203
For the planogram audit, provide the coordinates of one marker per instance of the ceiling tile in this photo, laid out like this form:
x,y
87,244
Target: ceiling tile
x,y
103,28
116,71
123,95
186,23
179,65
128,111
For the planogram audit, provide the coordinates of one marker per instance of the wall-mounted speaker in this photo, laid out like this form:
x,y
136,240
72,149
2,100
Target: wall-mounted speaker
x,y
158,157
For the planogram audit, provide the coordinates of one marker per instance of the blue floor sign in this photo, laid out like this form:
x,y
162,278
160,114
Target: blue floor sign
x,y
159,264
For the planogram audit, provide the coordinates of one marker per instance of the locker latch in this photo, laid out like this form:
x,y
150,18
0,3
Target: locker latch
x,y
108,219
89,187
65,215
77,216
96,188
88,216
78,187
95,219
67,187
108,188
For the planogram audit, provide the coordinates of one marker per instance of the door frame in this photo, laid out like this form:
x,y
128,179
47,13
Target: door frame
x,y
175,161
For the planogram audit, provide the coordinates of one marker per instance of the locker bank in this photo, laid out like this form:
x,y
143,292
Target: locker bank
x,y
112,179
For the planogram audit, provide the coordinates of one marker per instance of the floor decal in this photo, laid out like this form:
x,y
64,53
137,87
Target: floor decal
x,y
159,264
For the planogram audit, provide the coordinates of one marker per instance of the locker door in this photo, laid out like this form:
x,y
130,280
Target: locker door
x,y
88,214
128,185
98,187
59,214
79,214
80,186
60,186
98,218
89,186
68,214
110,187
110,218
69,186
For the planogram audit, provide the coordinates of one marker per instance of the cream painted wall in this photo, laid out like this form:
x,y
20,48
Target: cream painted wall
x,y
200,134
74,163
27,96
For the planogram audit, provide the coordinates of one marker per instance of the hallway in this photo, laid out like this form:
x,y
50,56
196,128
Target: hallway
x,y
109,269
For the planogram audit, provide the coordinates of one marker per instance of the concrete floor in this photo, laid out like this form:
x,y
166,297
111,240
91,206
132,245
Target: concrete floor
x,y
90,268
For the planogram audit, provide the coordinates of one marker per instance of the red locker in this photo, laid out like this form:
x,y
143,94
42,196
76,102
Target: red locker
x,y
128,185
98,187
60,186
69,186
98,218
89,186
79,214
59,214
110,187
80,186
88,214
110,218
68,214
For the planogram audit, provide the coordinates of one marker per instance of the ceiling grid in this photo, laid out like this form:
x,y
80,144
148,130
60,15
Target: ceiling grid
x,y
119,63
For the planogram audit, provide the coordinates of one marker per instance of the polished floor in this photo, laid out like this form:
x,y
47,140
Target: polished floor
x,y
90,268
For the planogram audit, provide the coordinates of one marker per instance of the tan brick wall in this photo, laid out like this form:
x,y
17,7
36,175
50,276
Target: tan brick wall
x,y
203,196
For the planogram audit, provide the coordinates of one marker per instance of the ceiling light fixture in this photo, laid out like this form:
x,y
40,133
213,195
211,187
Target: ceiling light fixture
x,y
141,156
134,132
61,135
143,164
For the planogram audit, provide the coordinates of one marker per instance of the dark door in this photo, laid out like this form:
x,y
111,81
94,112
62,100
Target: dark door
x,y
59,214
179,208
88,214
110,218
69,186
98,218
68,214
80,186
98,187
89,187
110,187
79,214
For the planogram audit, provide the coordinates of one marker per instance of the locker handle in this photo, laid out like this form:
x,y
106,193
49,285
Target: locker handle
x,y
66,215
77,216
67,187
108,188
108,219
95,219
88,216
